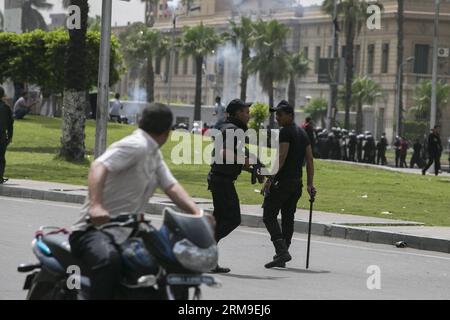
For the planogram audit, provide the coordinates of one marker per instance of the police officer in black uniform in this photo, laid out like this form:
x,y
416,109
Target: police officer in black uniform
x,y
6,133
434,150
352,142
283,189
222,176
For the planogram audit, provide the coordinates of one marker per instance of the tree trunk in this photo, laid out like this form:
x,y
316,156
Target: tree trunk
x,y
73,113
74,101
399,63
150,80
244,73
349,42
198,89
271,105
291,91
359,118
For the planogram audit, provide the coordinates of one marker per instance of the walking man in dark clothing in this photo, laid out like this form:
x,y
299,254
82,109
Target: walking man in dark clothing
x,y
359,147
434,150
223,174
416,158
6,133
284,188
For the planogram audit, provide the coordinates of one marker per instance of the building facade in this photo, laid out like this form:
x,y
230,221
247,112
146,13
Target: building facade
x,y
311,31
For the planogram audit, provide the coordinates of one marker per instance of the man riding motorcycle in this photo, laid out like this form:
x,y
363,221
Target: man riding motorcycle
x,y
122,180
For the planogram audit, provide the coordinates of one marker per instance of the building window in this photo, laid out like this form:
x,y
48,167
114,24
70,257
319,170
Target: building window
x,y
357,58
316,60
385,58
370,58
158,65
330,51
176,62
421,58
185,66
305,50
167,65
343,52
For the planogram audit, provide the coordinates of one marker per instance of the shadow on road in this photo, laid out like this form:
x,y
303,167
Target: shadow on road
x,y
244,276
295,270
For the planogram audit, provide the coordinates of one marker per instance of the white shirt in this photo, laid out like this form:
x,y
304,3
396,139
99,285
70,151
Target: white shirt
x,y
115,108
135,169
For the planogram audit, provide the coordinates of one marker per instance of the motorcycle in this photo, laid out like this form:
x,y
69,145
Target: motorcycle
x,y
162,264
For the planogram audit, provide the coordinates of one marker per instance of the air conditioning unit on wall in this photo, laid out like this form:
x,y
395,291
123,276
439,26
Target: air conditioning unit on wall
x,y
443,52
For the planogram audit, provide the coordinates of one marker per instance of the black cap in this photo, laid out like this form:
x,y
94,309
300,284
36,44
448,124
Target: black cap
x,y
283,106
236,105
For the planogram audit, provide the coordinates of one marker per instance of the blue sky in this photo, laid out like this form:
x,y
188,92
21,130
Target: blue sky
x,y
122,11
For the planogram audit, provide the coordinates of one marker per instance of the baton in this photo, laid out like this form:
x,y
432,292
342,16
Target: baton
x,y
311,201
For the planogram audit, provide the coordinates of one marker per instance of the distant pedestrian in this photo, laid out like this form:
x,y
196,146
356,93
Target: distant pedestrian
x,y
6,133
416,158
116,107
434,150
308,126
381,150
220,113
352,142
403,152
23,106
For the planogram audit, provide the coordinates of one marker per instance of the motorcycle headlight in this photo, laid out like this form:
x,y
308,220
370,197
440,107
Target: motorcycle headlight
x,y
194,258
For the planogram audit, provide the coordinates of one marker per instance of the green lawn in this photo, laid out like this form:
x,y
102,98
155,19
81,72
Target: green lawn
x,y
341,188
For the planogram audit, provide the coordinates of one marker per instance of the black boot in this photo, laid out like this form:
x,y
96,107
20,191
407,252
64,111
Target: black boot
x,y
282,255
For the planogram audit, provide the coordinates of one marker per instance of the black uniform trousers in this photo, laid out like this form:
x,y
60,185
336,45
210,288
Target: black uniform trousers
x,y
99,255
283,195
227,211
3,146
436,158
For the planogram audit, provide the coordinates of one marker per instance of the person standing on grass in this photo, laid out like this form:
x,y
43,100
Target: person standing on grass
x,y
6,133
434,150
397,144
114,112
220,113
416,158
403,152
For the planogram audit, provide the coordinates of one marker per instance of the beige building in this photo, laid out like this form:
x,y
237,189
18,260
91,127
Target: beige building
x,y
375,54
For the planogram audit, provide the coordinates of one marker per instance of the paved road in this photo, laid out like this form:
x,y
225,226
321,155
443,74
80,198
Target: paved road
x,y
338,267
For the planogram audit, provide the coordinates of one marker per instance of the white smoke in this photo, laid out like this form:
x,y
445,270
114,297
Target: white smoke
x,y
173,4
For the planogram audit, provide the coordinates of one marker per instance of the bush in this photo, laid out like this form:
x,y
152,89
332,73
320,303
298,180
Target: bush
x,y
259,112
415,129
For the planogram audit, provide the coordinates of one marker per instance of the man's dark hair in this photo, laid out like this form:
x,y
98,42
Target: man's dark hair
x,y
24,93
117,96
218,99
2,92
437,126
308,119
156,118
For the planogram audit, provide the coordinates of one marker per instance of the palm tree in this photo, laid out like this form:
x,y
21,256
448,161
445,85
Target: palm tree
x,y
298,68
199,42
74,101
243,34
150,11
422,99
354,15
271,59
143,45
365,91
317,109
31,18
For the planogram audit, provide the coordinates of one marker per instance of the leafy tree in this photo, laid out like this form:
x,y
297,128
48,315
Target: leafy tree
x,y
317,109
422,100
298,68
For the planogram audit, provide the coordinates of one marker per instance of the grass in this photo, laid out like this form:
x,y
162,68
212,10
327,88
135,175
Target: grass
x,y
341,188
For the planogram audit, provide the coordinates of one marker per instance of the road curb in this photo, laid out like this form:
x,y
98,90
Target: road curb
x,y
300,226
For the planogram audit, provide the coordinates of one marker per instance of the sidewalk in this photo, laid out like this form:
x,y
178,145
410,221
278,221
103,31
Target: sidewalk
x,y
353,227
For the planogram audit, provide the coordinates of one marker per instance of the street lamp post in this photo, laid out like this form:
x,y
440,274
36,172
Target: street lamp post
x,y
435,65
333,85
103,80
398,106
